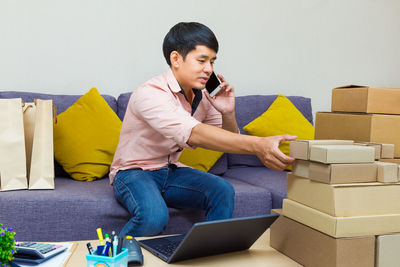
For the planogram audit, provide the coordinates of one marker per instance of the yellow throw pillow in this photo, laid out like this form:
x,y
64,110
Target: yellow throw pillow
x,y
282,117
200,158
86,136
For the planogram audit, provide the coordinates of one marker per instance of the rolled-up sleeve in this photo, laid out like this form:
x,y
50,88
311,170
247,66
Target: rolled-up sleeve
x,y
163,113
213,117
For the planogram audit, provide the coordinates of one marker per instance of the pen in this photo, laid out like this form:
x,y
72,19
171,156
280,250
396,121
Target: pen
x,y
89,246
108,243
115,246
100,234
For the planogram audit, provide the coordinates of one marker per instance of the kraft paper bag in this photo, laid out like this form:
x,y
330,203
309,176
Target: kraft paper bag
x,y
12,145
38,126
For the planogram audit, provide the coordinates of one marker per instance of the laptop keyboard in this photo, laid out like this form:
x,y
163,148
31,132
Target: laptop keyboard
x,y
165,245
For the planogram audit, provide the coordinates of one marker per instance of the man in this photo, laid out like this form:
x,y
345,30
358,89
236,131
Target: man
x,y
169,113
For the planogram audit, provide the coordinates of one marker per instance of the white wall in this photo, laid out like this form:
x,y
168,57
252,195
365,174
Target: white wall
x,y
293,47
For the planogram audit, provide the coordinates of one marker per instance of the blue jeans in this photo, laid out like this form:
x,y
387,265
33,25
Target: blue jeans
x,y
147,194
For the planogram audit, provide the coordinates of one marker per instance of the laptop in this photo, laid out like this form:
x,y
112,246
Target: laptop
x,y
210,238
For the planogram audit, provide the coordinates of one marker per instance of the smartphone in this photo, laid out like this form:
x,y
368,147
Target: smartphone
x,y
212,85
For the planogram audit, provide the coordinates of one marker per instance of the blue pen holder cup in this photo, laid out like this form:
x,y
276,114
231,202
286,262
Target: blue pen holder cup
x,y
121,260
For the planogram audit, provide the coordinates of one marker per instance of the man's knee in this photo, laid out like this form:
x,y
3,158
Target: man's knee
x,y
226,189
151,222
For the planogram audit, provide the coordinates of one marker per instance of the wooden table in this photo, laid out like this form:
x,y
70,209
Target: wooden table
x,y
260,254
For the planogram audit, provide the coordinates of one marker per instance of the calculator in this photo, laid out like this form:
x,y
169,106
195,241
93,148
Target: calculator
x,y
33,252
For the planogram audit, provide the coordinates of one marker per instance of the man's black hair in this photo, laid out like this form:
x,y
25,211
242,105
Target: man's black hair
x,y
184,37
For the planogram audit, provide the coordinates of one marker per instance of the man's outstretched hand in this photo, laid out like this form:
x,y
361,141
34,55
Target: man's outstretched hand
x,y
271,156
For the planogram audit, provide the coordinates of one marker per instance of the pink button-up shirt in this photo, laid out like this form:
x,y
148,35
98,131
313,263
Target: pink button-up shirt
x,y
157,125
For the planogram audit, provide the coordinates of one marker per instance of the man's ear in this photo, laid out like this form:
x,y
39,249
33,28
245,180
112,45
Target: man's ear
x,y
175,59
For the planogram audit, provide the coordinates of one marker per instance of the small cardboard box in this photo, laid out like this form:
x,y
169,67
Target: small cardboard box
x,y
382,151
342,173
356,98
377,128
387,250
300,149
387,151
341,226
345,200
301,168
378,148
342,154
310,247
387,172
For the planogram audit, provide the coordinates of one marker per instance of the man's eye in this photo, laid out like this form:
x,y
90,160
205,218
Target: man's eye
x,y
202,61
212,63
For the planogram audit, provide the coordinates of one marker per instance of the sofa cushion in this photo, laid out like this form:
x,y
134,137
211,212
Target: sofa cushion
x,y
62,102
86,136
273,181
221,166
199,158
282,117
250,107
122,101
75,209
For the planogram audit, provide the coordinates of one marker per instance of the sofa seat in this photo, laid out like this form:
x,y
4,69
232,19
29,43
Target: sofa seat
x,y
75,209
273,181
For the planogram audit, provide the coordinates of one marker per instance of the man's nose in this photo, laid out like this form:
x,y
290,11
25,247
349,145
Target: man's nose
x,y
208,68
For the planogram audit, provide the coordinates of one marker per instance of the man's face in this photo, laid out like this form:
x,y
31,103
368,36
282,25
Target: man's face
x,y
195,70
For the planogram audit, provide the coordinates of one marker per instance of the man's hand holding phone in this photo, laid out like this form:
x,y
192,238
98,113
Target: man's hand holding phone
x,y
220,94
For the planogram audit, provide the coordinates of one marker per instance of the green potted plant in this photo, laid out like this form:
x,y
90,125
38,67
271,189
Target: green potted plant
x,y
7,246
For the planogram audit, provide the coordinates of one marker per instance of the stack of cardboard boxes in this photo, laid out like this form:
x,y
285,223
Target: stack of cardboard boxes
x,y
362,113
343,207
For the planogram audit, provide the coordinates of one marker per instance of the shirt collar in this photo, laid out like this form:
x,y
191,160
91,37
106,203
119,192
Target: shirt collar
x,y
172,82
175,87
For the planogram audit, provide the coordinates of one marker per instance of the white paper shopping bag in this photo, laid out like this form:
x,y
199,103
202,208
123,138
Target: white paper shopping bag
x,y
38,122
12,145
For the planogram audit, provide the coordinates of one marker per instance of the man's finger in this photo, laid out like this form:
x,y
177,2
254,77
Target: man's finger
x,y
283,158
221,77
287,137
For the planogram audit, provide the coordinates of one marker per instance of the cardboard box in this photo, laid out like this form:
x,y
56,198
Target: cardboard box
x,y
376,128
387,250
310,247
341,226
378,148
276,211
387,172
301,168
397,161
384,151
355,98
300,149
342,173
342,154
345,200
387,151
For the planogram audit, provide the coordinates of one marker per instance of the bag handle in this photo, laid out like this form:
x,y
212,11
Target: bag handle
x,y
35,103
25,106
55,114
54,110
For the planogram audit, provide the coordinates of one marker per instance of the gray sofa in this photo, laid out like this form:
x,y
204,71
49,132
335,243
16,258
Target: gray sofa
x,y
75,209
